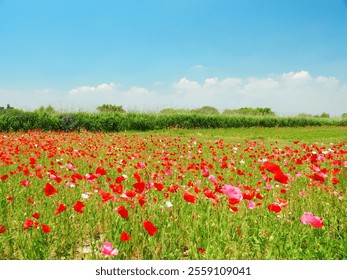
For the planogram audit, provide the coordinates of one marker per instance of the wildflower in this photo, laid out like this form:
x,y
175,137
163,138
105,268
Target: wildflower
x,y
79,207
123,212
150,228
25,183
124,236
202,250
108,250
303,193
234,193
36,215
27,224
251,205
50,190
189,197
168,204
309,218
274,207
60,209
45,228
2,229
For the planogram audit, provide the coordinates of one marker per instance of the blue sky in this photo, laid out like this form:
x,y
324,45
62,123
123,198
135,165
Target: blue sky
x,y
148,55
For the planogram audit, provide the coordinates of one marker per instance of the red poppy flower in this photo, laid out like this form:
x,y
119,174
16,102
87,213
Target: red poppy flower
x,y
123,212
4,177
79,207
30,201
50,190
280,177
124,236
25,183
106,196
202,250
100,171
142,200
28,223
130,193
271,167
159,186
2,229
45,228
60,209
189,197
36,215
274,207
150,228
139,187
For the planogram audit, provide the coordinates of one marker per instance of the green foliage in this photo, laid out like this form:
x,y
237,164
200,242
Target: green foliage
x,y
206,110
247,111
49,110
323,115
108,108
174,111
16,120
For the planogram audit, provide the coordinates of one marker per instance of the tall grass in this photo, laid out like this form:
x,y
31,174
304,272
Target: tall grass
x,y
15,120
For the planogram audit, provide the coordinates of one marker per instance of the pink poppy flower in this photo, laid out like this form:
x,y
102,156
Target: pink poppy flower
x,y
309,218
108,250
234,193
251,205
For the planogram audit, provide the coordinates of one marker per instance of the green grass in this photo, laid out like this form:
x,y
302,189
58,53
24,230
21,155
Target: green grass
x,y
185,228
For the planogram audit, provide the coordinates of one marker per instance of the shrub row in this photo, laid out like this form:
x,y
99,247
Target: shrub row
x,y
14,120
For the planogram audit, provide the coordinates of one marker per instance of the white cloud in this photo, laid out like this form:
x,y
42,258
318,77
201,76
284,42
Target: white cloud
x,y
99,88
288,94
185,84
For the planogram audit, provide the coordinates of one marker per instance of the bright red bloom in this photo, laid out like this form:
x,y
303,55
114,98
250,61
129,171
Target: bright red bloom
x,y
30,201
274,207
4,177
280,177
139,187
50,190
2,229
271,167
130,193
124,236
60,209
36,215
123,212
28,223
189,197
25,183
45,228
79,207
150,228
202,250
106,196
100,171
159,186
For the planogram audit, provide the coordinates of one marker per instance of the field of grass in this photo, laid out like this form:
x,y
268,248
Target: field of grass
x,y
17,120
177,194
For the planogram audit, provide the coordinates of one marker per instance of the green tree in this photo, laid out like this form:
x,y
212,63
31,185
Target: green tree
x,y
46,110
108,108
206,110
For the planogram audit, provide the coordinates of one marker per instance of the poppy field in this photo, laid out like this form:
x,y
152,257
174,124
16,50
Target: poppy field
x,y
252,194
